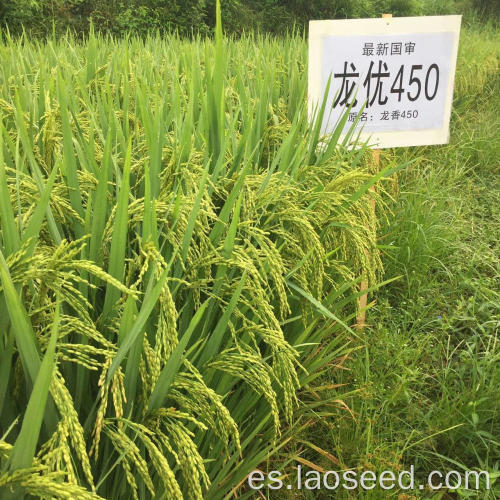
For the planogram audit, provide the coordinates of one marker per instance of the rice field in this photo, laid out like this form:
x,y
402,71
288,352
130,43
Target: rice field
x,y
180,260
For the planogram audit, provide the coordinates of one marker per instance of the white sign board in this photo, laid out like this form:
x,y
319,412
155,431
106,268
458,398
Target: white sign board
x,y
395,74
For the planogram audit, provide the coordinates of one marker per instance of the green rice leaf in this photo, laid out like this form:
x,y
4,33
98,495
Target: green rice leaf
x,y
35,224
100,204
136,329
24,335
174,362
6,352
70,168
24,448
321,308
116,266
9,229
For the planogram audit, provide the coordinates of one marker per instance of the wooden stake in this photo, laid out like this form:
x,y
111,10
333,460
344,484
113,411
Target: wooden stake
x,y
363,300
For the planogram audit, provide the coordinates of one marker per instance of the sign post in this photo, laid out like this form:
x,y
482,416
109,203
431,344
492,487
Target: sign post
x,y
363,300
394,76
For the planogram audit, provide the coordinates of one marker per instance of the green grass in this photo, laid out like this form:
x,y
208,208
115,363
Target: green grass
x,y
428,378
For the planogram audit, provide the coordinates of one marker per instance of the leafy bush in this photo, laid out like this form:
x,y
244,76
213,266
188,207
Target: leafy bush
x,y
198,16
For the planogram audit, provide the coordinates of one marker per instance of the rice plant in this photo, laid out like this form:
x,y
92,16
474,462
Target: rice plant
x,y
179,258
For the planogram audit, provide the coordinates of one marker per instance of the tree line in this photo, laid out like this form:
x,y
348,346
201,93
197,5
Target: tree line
x,y
118,17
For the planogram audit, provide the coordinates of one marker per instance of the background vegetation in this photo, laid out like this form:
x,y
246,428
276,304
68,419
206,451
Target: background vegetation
x,y
43,17
426,381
